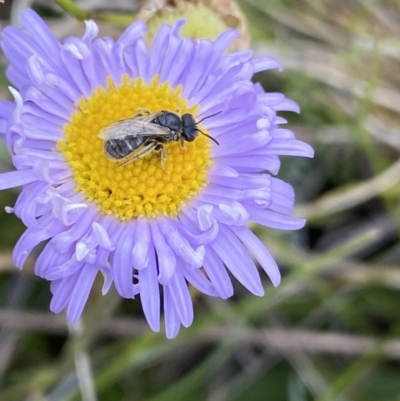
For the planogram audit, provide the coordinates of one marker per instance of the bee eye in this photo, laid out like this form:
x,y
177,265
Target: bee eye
x,y
189,135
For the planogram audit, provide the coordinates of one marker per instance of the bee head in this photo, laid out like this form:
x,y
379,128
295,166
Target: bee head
x,y
190,130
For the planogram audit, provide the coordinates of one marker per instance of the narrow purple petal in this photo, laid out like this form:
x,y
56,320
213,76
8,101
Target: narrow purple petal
x,y
226,212
171,51
142,241
265,63
132,33
63,293
17,178
242,144
216,270
282,133
185,54
287,105
270,98
64,240
180,245
80,293
237,260
29,239
260,252
102,236
159,45
92,30
165,257
150,293
281,203
197,278
40,32
251,164
181,298
122,262
172,323
52,265
57,270
195,237
72,59
136,59
195,76
284,147
222,171
275,220
29,202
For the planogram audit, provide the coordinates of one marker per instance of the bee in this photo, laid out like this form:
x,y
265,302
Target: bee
x,y
136,137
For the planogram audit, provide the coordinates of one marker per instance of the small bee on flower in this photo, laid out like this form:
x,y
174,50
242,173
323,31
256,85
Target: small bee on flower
x,y
136,137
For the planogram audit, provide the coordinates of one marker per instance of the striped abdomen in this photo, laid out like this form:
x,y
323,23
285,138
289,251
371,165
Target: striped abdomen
x,y
119,148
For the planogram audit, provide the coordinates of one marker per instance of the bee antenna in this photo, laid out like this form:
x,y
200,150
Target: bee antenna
x,y
205,118
208,136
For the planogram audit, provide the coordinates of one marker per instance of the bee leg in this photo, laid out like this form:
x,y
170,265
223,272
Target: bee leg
x,y
160,148
142,112
182,141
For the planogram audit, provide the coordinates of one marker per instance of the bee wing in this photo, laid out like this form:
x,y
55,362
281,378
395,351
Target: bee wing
x,y
132,127
147,118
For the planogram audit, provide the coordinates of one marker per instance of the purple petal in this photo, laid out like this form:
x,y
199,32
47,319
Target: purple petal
x,y
122,262
216,270
102,236
260,252
29,239
141,240
265,63
251,164
63,293
197,278
237,260
165,257
159,45
41,33
150,293
287,105
132,33
275,220
180,245
172,323
80,293
64,240
92,30
17,178
181,298
284,147
195,237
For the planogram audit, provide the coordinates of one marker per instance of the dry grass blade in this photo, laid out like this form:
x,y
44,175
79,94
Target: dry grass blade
x,y
344,199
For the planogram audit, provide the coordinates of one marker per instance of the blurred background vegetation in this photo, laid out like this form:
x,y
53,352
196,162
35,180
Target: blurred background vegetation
x,y
331,331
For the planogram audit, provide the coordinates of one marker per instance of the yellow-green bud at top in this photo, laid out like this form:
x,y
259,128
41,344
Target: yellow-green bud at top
x,y
201,21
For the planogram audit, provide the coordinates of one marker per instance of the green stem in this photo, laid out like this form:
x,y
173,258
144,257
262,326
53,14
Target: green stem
x,y
83,364
119,19
71,8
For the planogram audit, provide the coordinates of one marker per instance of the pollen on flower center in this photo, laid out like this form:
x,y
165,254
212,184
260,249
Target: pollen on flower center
x,y
142,187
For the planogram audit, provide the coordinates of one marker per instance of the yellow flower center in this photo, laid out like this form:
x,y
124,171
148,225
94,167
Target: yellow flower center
x,y
143,187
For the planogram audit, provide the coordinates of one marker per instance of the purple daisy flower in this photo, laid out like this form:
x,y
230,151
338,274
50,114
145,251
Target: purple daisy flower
x,y
143,224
